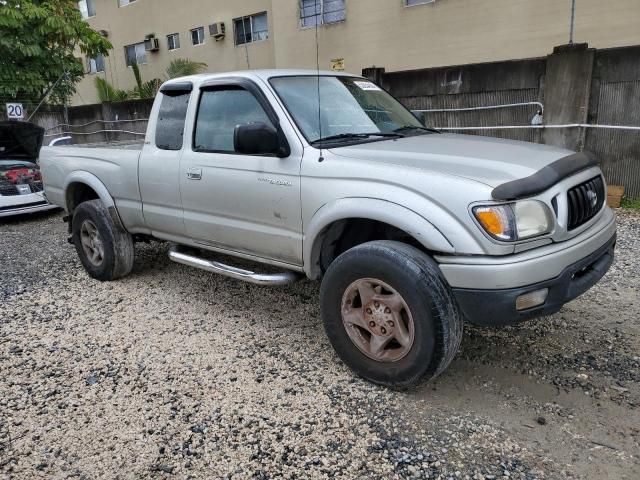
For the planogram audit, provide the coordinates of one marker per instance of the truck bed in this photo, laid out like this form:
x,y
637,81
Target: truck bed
x,y
114,165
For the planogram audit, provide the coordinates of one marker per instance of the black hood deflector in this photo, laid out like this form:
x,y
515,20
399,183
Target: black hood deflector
x,y
544,178
20,140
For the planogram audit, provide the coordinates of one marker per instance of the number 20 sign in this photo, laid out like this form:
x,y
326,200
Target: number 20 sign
x,y
15,111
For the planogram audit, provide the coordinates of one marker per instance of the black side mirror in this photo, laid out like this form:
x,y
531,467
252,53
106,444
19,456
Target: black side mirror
x,y
259,139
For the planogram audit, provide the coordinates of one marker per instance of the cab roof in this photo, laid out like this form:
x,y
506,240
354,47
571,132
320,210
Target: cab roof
x,y
265,75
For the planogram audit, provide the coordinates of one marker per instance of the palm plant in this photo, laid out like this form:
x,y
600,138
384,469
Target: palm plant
x,y
144,89
181,67
108,93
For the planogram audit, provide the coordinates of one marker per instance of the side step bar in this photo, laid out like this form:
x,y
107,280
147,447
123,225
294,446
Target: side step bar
x,y
229,271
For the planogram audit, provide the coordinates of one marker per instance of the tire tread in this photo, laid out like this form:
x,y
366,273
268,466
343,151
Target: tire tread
x,y
121,257
447,319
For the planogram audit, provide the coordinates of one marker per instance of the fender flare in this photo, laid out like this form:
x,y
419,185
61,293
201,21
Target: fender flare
x,y
90,180
373,209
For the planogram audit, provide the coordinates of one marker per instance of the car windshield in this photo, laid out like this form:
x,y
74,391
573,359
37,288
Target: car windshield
x,y
351,109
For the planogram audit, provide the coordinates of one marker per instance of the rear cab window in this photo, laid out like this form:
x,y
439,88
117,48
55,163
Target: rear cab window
x,y
172,115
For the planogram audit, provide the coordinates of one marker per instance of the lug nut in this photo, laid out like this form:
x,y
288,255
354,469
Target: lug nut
x,y
390,323
372,324
376,304
387,310
369,311
383,330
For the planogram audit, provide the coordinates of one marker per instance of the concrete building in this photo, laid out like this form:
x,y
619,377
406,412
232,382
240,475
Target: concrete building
x,y
398,35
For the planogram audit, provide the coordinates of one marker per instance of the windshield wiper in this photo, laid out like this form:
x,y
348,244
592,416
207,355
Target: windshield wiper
x,y
406,128
347,136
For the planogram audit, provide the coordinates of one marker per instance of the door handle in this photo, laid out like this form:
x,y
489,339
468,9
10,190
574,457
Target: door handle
x,y
194,173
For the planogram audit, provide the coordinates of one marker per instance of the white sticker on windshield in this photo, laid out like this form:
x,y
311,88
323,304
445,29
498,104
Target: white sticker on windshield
x,y
367,85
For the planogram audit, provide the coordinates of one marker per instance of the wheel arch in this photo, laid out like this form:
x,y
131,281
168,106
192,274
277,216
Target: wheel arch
x,y
81,186
331,220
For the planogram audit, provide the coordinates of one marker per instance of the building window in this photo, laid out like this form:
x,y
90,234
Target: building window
x,y
173,41
96,64
122,3
252,28
135,53
197,36
410,3
87,8
318,12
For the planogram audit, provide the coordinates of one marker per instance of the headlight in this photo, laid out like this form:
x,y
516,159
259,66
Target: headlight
x,y
514,221
498,221
533,218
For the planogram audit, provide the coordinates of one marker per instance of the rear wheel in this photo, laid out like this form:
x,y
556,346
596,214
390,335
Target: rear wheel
x,y
389,313
106,251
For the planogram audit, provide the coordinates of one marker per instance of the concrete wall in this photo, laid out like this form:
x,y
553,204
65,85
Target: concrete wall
x,y
576,84
615,100
479,85
91,123
375,32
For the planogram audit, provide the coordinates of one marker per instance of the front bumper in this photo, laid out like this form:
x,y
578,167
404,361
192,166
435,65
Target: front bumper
x,y
498,307
531,266
486,287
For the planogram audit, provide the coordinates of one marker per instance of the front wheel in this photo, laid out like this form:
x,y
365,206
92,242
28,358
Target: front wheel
x,y
105,250
389,313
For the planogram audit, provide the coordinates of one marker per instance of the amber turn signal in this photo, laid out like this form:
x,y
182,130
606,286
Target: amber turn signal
x,y
491,222
497,221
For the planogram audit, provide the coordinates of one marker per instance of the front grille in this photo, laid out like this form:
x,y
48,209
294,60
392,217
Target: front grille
x,y
8,189
585,201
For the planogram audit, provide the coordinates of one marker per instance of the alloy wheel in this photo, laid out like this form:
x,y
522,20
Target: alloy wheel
x,y
91,241
377,320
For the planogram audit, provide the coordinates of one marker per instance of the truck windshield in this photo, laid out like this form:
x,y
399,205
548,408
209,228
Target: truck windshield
x,y
351,109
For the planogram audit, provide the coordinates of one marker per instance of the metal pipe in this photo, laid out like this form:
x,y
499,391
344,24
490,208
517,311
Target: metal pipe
x,y
567,125
488,107
45,96
494,127
233,272
96,121
93,133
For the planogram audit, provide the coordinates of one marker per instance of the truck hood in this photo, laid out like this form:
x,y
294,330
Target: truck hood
x,y
488,160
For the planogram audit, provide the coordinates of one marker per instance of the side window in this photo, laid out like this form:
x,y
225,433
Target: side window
x,y
171,118
219,113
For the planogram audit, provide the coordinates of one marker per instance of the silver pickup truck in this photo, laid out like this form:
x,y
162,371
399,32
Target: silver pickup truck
x,y
411,231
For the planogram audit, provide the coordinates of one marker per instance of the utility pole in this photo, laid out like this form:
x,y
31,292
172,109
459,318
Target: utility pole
x,y
573,21
66,101
44,97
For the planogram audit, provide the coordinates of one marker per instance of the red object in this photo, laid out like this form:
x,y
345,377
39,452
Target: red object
x,y
23,175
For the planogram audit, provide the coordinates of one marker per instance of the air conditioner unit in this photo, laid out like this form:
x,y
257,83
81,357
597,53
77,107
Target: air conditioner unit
x,y
152,44
216,30
104,33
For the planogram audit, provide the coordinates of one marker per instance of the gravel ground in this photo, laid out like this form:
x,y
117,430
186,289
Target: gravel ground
x,y
177,373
